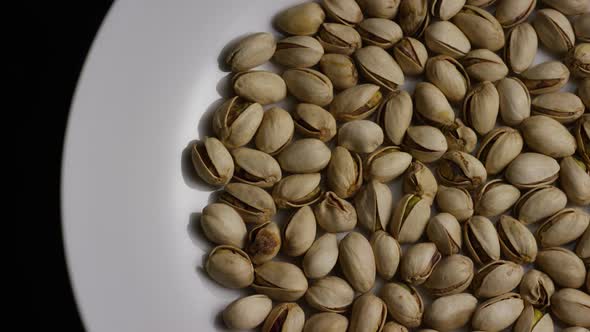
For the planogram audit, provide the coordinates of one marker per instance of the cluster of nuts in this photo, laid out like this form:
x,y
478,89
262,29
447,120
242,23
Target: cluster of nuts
x,y
331,159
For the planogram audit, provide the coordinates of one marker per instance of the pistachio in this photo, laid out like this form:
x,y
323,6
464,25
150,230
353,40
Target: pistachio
x,y
404,303
410,218
497,278
280,281
335,214
356,103
298,52
533,320
572,307
377,66
521,47
235,122
564,107
425,143
340,69
452,275
343,11
212,162
444,231
432,106
285,317
301,20
254,204
539,203
330,294
380,32
460,137
455,201
345,172
531,170
247,313
547,136
299,232
418,263
361,136
449,76
339,38
368,314
537,288
230,267
545,77
380,8
256,167
259,86
481,3
446,9
516,241
481,28
582,131
497,313
563,266
394,327
395,116
297,190
515,100
264,243
495,198
461,169
307,155
444,37
582,27
481,240
450,312
414,18
578,60
387,253
569,7
583,249
563,227
373,205
420,181
481,107
411,55
575,180
484,65
357,261
314,122
223,225
386,164
326,322
251,51
321,258
309,86
511,13
275,131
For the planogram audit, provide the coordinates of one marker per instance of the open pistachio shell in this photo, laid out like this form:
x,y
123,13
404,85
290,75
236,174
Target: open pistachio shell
x,y
369,313
377,66
545,77
380,32
297,190
572,307
395,116
212,162
445,38
449,76
420,181
484,65
230,267
582,27
499,148
339,38
516,241
515,100
533,320
537,288
446,9
298,52
575,179
582,132
335,214
452,275
314,122
497,313
481,107
411,55
330,294
554,30
496,278
345,172
404,303
481,240
444,231
255,167
264,242
285,317
460,137
563,266
511,13
461,169
280,281
254,204
539,203
583,247
432,106
418,262
578,60
495,198
309,86
251,51
374,204
569,7
414,17
356,103
340,69
236,121
386,164
564,107
344,11
481,28
425,143
410,218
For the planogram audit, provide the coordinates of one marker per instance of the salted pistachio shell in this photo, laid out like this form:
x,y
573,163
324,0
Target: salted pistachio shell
x,y
484,65
563,266
564,107
414,17
357,261
425,143
496,278
298,52
334,214
330,294
236,121
537,288
495,198
307,155
326,322
280,281
452,275
533,320
259,86
547,136
343,11
251,51
301,20
285,317
380,8
545,77
446,9
460,137
356,103
513,12
264,243
521,47
420,181
247,312
255,167
314,122
449,76
411,55
432,106
230,267
455,201
299,232
339,38
394,327
572,307
497,313
369,313
481,240
418,262
395,116
500,147
377,66
481,28
583,248
481,107
444,231
444,37
563,227
515,100
517,242
361,136
254,204
582,132
297,190
374,205
386,164
387,253
578,60
380,32
569,7
582,27
212,162
340,69
321,258
531,170
275,131
481,3
410,218
223,225
539,203
345,172
404,303
461,169
309,86
450,312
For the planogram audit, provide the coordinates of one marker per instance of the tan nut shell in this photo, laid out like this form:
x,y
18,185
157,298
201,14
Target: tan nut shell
x,y
497,278
357,261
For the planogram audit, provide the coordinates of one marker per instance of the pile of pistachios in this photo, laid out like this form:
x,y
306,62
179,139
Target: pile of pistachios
x,y
492,157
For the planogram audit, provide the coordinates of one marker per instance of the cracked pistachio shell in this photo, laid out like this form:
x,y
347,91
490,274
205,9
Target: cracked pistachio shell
x,y
432,106
531,170
495,198
582,132
251,51
481,28
537,288
357,261
496,278
285,317
236,121
455,201
326,322
517,242
449,76
533,320
462,170
444,37
299,232
539,203
578,60
414,17
309,86
411,55
547,136
374,205
356,103
569,7
545,77
563,227
418,262
410,218
484,65
420,181
339,38
521,47
314,122
380,8
460,137
361,136
264,243
386,164
444,231
307,155
330,294
499,148
345,172
321,258
343,11
335,214
387,253
259,86
497,313
254,204
452,275
280,281
563,266
247,312
230,267
223,225
404,303
369,313
298,51
572,307
564,107
394,327
275,131
395,116
255,167
301,20
481,240
513,12
377,66
212,162
340,69
582,27
515,100
425,143
450,312
380,32
446,9
481,3
297,190
481,107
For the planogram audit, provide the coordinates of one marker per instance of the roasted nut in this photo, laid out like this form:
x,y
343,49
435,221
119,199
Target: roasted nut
x,y
484,65
380,32
516,241
572,307
511,13
432,106
521,47
275,131
515,100
578,60
533,320
410,218
212,162
374,206
345,172
497,313
309,86
420,181
537,288
418,262
321,257
230,267
386,164
455,201
285,317
563,266
340,69
495,198
563,227
444,231
223,225
569,7
582,27
344,11
446,9
547,136
404,303
330,294
481,107
460,137
361,136
314,122
539,203
450,312
481,240
449,76
462,170
254,204
357,261
280,281
496,278
368,314
452,275
247,312
445,38
298,52
378,67
307,155
297,190
481,28
326,322
251,51
575,180
259,86
425,143
531,170
302,20
335,214
235,122
564,107
545,77
356,103
339,38
387,253
414,17
264,243
255,167
411,55
299,232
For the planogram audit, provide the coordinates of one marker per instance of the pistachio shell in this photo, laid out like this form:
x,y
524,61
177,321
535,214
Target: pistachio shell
x,y
497,278
357,262
404,303
280,281
578,60
414,17
259,86
418,262
547,136
539,203
569,7
516,241
481,3
212,162
335,214
343,11
481,107
444,231
452,275
360,136
461,169
256,167
572,307
251,51
374,206
285,317
445,38
299,232
339,38
331,294
377,66
264,242
395,116
564,107
386,164
531,170
223,225
497,313
484,65
230,267
275,131
432,106
563,266
345,172
563,227
380,8
582,27
495,198
521,47
545,77
537,288
460,137
394,327
481,28
326,322
302,20
515,100
356,103
236,121
298,52
420,181
307,155
449,76
481,240
511,13
455,201
321,258
533,320
247,312
254,204
309,86
450,312
410,218
425,143
387,253
499,148
340,69
380,32
314,122
446,9
368,314
411,55
297,190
